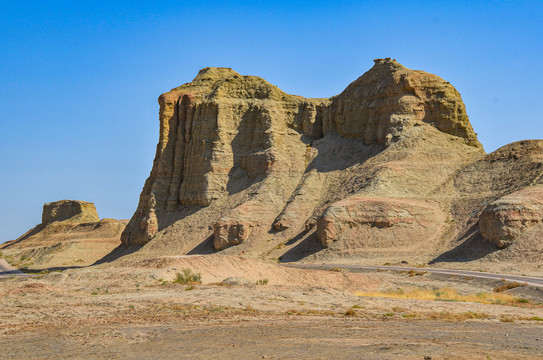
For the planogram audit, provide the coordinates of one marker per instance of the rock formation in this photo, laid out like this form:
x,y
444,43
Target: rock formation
x,y
391,164
71,233
505,220
69,210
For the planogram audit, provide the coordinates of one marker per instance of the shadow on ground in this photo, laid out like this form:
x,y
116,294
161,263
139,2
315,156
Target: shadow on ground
x,y
204,248
117,253
308,245
471,247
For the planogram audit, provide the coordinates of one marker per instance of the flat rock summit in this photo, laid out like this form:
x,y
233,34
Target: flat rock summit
x,y
389,168
71,234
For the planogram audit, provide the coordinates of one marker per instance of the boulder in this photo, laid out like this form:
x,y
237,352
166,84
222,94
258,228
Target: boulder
x,y
504,221
379,222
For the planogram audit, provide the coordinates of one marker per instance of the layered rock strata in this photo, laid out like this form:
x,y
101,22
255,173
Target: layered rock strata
x,y
224,132
390,163
505,220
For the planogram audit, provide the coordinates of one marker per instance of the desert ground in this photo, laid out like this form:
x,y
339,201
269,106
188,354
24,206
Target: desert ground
x,y
241,308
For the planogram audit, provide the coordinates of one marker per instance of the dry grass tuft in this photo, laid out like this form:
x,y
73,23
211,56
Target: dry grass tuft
x,y
508,286
444,294
412,273
449,316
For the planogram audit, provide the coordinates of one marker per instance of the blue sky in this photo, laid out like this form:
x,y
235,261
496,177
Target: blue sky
x,y
80,79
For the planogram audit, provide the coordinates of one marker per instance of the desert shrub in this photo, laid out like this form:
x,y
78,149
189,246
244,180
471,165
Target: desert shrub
x,y
507,286
506,318
412,273
350,312
262,282
188,277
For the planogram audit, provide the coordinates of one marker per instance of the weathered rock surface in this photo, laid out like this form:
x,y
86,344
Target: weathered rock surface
x,y
380,222
71,233
72,210
506,219
390,164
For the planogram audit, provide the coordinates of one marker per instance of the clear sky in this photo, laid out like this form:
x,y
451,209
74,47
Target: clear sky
x,y
80,79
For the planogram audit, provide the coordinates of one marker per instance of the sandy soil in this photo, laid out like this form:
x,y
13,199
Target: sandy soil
x,y
134,311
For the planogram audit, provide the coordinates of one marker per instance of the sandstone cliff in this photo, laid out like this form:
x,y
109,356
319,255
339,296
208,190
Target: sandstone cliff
x,y
389,166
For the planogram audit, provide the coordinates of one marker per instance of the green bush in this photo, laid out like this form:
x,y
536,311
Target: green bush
x,y
188,277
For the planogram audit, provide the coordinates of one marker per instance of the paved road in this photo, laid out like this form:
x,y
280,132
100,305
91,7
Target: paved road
x,y
8,271
534,281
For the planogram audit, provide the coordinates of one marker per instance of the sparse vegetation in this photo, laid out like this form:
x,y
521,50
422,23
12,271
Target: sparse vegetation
x,y
506,318
335,269
262,282
350,312
445,294
190,287
507,286
412,273
449,316
188,277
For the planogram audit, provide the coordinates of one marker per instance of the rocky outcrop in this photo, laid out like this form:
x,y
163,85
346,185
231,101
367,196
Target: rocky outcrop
x,y
379,222
66,220
382,103
390,164
223,133
69,210
505,220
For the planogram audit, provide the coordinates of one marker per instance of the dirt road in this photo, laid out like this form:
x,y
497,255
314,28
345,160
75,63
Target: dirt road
x,y
8,271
